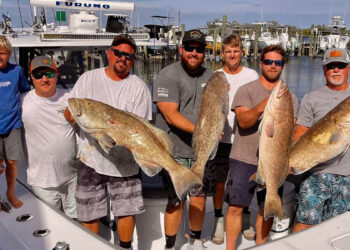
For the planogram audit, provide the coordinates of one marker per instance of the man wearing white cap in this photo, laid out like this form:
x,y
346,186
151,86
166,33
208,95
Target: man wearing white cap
x,y
325,193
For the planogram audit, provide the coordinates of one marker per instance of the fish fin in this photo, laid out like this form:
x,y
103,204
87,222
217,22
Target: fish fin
x,y
346,149
150,171
269,129
335,137
183,180
163,138
260,128
225,108
259,180
106,142
273,206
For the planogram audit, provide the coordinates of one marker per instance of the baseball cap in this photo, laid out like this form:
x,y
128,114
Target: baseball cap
x,y
194,36
124,38
42,61
336,55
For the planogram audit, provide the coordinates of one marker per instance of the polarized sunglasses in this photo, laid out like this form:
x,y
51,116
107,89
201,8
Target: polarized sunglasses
x,y
339,65
278,63
39,75
120,54
190,48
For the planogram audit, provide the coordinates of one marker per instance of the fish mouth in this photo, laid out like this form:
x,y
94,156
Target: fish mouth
x,y
74,107
282,90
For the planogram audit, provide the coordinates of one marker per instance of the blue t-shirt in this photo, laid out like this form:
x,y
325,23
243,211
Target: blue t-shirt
x,y
12,83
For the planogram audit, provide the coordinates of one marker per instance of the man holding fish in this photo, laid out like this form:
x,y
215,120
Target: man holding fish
x,y
326,192
101,174
249,104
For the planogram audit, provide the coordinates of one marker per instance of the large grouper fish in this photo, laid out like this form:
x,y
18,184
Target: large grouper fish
x,y
326,139
276,133
212,115
150,146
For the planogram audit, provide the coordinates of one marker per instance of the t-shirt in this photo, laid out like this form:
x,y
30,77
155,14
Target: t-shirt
x,y
130,94
50,141
246,142
12,83
173,84
315,105
235,80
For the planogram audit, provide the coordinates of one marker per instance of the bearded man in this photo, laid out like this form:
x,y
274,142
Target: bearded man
x,y
177,92
249,104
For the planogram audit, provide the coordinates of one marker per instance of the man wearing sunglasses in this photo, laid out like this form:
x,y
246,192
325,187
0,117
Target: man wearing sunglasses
x,y
248,104
50,140
177,91
99,174
325,193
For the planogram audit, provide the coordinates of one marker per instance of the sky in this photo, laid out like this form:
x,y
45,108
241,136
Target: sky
x,y
196,13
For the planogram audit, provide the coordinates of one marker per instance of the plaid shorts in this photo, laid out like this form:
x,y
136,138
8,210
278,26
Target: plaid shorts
x,y
209,183
323,196
93,189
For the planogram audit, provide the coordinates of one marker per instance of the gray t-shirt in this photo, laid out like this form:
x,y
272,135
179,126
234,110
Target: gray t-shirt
x,y
315,105
173,84
246,142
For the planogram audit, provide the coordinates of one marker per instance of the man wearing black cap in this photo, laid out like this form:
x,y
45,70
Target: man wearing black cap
x,y
50,141
177,91
325,193
101,174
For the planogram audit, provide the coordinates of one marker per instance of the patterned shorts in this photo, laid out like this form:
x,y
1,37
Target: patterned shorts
x,y
323,196
93,189
209,183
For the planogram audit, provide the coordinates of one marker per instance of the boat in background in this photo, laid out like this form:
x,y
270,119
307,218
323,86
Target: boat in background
x,y
336,38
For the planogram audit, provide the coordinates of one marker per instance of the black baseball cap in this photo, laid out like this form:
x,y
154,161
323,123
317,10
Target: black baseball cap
x,y
194,36
124,38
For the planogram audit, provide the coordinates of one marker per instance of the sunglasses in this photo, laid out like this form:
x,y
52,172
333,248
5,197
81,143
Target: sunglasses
x,y
120,54
339,65
199,49
278,63
39,75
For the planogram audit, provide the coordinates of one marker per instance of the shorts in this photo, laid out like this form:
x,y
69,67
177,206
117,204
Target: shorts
x,y
61,197
239,191
11,145
93,189
323,196
222,160
209,183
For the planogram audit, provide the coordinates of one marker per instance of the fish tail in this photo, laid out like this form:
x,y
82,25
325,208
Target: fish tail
x,y
273,206
184,180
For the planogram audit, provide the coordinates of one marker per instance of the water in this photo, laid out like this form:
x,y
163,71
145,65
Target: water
x,y
301,73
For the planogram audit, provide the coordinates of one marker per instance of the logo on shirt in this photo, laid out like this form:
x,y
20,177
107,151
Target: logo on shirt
x,y
203,84
5,84
163,92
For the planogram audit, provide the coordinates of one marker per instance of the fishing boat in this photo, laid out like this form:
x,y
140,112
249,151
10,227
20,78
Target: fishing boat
x,y
336,38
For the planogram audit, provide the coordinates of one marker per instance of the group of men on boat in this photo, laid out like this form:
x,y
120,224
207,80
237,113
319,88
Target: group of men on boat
x,y
80,180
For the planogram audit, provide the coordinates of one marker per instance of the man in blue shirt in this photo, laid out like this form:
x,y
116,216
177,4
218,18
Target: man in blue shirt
x,y
12,83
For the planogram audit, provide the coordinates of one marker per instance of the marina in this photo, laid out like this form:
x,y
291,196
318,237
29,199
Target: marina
x,y
77,49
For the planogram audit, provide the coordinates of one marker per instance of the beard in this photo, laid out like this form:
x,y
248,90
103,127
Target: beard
x,y
191,68
269,77
120,67
334,82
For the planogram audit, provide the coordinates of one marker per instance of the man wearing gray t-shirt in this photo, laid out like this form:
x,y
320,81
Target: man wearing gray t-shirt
x,y
249,104
177,91
326,192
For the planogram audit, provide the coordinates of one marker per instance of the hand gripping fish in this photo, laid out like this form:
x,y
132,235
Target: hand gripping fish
x,y
150,146
213,110
274,147
326,139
